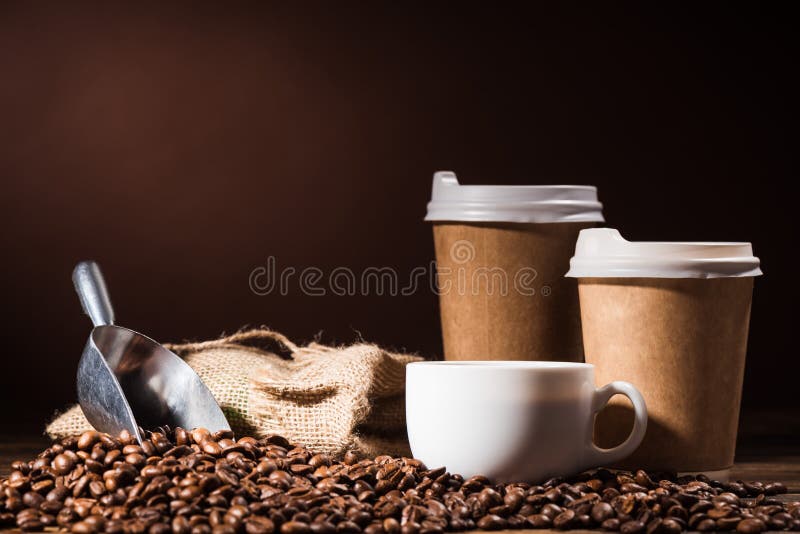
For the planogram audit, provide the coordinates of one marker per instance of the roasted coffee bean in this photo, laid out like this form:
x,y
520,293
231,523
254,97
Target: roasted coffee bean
x,y
492,522
699,507
695,519
554,495
775,488
754,488
632,527
751,526
211,447
540,521
706,525
326,527
202,483
643,479
63,464
32,499
514,499
295,527
632,487
678,511
718,512
662,526
688,499
348,527
551,510
564,520
391,525
601,511
30,525
87,439
728,523
779,521
726,498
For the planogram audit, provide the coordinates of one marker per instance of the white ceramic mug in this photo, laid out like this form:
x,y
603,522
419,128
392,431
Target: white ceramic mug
x,y
512,421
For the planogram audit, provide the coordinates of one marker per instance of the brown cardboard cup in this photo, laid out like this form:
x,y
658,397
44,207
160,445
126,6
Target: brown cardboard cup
x,y
679,334
501,254
503,294
682,342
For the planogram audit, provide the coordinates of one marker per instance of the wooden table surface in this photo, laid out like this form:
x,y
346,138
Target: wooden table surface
x,y
765,460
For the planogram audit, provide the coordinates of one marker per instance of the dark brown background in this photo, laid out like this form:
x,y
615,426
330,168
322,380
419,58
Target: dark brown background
x,y
180,145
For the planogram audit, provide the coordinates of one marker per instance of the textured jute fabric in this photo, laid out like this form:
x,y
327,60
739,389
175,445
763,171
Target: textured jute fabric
x,y
330,399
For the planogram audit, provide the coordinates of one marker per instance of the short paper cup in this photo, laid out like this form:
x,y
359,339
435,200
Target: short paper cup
x,y
672,319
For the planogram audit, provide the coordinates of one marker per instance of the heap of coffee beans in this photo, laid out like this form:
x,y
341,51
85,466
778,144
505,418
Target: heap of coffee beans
x,y
198,482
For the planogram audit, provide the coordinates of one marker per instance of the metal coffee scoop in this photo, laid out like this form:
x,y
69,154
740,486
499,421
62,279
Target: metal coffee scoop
x,y
127,381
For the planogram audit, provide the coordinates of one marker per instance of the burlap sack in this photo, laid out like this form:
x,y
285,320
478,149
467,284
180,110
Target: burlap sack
x,y
330,399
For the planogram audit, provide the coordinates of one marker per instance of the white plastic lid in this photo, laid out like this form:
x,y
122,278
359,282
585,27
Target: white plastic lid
x,y
451,201
604,253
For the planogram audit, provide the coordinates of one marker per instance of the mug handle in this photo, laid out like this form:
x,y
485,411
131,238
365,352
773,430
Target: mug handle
x,y
597,456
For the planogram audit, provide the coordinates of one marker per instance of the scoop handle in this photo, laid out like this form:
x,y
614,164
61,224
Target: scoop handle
x,y
92,292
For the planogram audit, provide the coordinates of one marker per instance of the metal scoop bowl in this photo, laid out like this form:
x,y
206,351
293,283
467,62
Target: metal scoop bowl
x,y
127,381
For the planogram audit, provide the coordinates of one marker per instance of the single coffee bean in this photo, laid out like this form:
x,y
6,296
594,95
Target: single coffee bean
x,y
706,525
326,527
87,439
670,526
754,488
30,525
736,488
211,447
700,507
632,487
653,527
726,498
180,525
776,523
348,527
564,520
751,526
295,527
601,511
492,522
554,495
775,488
695,519
63,464
551,510
132,448
540,521
643,479
31,499
728,523
678,511
632,527
391,525
350,458
719,512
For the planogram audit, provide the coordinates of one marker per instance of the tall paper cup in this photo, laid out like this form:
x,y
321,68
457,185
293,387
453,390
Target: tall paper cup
x,y
672,319
501,252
